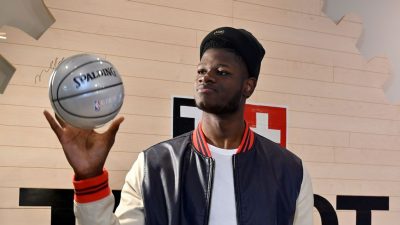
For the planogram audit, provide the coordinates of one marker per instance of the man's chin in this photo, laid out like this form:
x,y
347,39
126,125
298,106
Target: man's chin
x,y
215,109
207,107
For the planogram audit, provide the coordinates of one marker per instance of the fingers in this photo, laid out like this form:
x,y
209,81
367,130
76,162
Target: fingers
x,y
53,124
60,121
113,129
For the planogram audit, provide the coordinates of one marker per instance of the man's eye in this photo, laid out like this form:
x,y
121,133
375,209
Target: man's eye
x,y
223,73
201,72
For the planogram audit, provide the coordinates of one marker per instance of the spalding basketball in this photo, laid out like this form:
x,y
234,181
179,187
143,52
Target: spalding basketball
x,y
86,91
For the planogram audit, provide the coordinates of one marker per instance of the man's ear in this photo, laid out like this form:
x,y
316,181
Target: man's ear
x,y
250,85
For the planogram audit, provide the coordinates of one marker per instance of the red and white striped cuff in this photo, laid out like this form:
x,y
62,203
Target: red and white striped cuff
x,y
91,189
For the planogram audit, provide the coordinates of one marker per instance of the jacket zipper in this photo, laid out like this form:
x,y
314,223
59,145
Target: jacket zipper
x,y
210,185
236,187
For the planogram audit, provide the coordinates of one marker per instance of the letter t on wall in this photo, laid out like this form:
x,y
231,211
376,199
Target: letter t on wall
x,y
363,206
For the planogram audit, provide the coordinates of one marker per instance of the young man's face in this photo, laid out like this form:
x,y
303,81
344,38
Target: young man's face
x,y
222,84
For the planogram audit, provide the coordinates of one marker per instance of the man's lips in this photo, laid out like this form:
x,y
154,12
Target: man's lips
x,y
205,89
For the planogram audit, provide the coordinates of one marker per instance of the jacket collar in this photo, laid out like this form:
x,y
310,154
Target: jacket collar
x,y
200,143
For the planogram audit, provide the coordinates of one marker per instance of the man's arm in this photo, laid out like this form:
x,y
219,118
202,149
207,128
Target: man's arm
x,y
100,212
305,202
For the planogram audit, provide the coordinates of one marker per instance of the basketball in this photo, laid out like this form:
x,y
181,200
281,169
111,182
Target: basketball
x,y
86,91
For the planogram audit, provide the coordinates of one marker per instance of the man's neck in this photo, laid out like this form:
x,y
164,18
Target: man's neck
x,y
223,132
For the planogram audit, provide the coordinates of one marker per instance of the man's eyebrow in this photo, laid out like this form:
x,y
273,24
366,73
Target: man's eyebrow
x,y
221,64
218,65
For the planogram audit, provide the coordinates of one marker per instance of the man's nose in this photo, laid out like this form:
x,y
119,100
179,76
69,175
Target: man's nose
x,y
208,77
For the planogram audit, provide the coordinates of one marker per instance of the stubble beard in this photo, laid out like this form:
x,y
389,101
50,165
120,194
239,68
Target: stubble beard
x,y
231,107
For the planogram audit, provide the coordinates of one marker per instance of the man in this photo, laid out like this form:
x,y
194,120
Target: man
x,y
221,173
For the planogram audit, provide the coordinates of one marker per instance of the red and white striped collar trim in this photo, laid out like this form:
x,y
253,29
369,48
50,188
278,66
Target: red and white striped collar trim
x,y
200,143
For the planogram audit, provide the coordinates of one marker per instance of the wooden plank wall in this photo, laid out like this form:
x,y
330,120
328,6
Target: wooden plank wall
x,y
339,120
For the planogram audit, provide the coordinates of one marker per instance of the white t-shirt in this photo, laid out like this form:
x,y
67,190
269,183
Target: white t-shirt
x,y
223,206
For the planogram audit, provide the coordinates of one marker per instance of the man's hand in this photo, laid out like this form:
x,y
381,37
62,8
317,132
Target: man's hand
x,y
86,150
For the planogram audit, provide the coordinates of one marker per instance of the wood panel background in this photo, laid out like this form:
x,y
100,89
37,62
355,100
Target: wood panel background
x,y
339,120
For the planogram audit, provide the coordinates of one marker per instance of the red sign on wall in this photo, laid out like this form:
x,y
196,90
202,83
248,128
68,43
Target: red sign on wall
x,y
268,121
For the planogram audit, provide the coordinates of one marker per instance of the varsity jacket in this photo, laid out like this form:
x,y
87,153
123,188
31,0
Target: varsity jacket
x,y
171,184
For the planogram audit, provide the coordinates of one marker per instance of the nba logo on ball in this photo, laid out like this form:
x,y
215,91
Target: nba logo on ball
x,y
96,105
86,91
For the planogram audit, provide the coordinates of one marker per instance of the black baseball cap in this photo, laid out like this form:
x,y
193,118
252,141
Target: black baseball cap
x,y
242,42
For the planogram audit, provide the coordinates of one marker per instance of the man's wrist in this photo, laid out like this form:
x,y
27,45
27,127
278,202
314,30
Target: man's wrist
x,y
91,189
